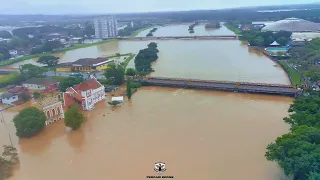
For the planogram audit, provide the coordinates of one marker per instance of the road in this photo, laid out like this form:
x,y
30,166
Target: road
x,y
67,74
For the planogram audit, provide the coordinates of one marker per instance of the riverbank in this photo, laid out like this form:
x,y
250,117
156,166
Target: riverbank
x,y
76,46
233,29
140,30
293,75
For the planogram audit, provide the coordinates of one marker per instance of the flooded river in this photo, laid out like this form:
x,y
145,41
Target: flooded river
x,y
201,59
203,135
198,134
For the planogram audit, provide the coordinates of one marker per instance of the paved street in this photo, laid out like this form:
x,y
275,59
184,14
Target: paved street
x,y
67,74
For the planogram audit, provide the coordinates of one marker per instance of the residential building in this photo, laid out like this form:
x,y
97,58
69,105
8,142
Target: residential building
x,y
45,84
18,90
9,98
87,94
90,41
52,108
13,52
105,27
85,65
75,40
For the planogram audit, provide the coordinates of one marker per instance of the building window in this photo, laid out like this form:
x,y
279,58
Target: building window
x,y
53,112
48,114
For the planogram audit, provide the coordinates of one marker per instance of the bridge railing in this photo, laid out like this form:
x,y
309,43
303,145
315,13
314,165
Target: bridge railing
x,y
223,82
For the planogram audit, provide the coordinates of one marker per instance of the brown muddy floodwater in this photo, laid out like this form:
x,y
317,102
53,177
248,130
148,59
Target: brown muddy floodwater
x,y
229,60
202,135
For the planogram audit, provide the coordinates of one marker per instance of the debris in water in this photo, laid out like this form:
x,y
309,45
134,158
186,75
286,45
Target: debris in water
x,y
68,129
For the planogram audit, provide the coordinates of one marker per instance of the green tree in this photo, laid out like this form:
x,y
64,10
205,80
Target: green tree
x,y
304,111
5,52
29,122
69,82
314,176
131,72
297,152
1,57
25,97
16,42
282,41
36,95
129,90
30,71
49,60
152,45
115,73
114,103
73,117
7,159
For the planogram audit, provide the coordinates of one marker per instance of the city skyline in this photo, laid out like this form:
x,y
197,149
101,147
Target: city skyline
x,y
56,7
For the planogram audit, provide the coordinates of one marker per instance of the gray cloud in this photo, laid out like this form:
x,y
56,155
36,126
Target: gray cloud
x,y
121,6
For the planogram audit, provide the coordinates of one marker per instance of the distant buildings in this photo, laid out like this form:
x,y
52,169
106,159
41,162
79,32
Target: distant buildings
x,y
105,27
45,84
292,25
85,65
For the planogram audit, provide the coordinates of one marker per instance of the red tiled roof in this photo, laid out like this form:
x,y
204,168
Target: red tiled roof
x,y
89,84
18,90
69,101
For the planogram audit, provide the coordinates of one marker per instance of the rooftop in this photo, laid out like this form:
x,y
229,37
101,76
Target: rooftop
x,y
90,61
87,85
7,95
293,25
40,81
47,101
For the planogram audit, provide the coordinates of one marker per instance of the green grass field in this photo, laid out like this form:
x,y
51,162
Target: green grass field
x,y
294,74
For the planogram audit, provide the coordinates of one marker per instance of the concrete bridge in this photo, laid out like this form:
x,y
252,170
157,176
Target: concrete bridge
x,y
227,37
246,87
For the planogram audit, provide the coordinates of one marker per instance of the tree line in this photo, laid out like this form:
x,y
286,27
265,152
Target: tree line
x,y
298,152
129,30
305,59
258,38
145,57
152,31
191,30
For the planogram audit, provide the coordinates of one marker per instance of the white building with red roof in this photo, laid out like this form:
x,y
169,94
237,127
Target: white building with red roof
x,y
86,94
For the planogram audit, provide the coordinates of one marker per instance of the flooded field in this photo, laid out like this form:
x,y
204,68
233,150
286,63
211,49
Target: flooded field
x,y
198,134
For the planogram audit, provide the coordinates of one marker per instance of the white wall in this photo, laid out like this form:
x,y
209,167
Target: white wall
x,y
10,100
34,86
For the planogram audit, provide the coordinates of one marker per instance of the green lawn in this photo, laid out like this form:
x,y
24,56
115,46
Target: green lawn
x,y
294,74
126,62
233,28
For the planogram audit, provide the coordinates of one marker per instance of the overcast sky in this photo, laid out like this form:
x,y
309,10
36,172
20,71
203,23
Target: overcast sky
x,y
122,6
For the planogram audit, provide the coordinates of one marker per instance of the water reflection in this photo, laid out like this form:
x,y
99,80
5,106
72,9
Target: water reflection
x,y
43,141
76,139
